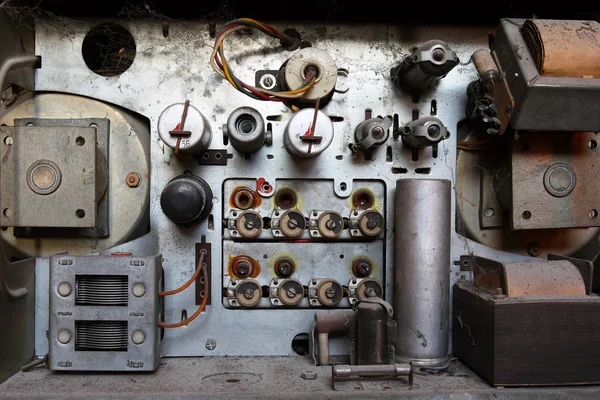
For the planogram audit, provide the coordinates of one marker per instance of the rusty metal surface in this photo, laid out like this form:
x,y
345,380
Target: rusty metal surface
x,y
534,156
17,292
540,278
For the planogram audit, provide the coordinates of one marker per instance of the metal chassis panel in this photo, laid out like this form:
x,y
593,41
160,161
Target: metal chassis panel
x,y
155,81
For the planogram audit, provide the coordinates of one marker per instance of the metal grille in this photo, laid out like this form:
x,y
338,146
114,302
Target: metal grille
x,y
101,290
101,335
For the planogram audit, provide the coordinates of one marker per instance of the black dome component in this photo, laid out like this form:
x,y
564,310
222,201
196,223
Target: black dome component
x,y
186,199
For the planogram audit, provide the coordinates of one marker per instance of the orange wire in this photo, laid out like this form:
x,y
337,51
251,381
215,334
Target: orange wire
x,y
189,283
202,305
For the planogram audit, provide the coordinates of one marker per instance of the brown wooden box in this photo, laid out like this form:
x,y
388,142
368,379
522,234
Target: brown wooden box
x,y
543,340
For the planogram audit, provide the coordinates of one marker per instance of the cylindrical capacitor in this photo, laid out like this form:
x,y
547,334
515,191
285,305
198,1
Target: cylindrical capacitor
x,y
297,67
485,65
186,199
427,64
195,123
246,130
300,125
421,270
371,345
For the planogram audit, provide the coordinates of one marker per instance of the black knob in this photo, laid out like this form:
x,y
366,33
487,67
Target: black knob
x,y
186,199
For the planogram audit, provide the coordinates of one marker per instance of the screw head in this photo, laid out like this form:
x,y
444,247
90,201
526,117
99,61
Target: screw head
x,y
433,131
438,54
377,132
330,293
249,293
292,224
210,344
371,224
133,179
330,225
249,224
291,292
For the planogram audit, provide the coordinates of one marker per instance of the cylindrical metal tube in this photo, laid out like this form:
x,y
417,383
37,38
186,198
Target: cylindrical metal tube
x,y
485,65
347,371
372,347
326,323
422,264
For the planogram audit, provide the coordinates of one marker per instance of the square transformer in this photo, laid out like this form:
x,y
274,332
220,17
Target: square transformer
x,y
104,313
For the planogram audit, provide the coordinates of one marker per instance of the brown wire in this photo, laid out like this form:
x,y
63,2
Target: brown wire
x,y
189,283
202,305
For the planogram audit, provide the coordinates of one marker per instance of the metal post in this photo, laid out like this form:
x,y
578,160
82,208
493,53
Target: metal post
x,y
422,264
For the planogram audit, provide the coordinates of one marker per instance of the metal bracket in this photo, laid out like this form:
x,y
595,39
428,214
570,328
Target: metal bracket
x,y
200,292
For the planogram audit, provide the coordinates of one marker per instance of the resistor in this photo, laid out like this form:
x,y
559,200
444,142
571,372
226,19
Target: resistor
x,y
485,65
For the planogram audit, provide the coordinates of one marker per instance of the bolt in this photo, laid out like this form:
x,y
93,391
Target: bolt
x,y
371,224
533,249
438,54
291,292
268,81
363,269
292,224
249,293
330,293
489,213
210,344
433,131
331,224
133,179
309,375
242,269
284,268
377,132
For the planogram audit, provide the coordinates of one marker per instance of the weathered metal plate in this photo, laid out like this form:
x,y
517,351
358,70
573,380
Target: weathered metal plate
x,y
101,230
48,177
535,154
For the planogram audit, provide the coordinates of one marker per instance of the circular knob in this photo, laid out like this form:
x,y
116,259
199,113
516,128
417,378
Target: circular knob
x,y
186,199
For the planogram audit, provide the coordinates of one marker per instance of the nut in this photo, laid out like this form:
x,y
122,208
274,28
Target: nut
x,y
133,179
309,375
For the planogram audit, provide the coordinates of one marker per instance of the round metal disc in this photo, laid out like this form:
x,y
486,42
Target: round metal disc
x,y
292,223
330,292
290,292
249,224
371,223
365,284
44,177
330,224
248,293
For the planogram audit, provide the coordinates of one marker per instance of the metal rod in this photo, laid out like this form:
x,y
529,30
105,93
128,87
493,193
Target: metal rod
x,y
15,63
422,265
372,371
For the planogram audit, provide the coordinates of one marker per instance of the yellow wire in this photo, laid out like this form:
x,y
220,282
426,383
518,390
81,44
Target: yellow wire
x,y
225,73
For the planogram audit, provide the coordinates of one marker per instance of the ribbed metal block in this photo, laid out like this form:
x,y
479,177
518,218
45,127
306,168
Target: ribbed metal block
x,y
101,290
101,335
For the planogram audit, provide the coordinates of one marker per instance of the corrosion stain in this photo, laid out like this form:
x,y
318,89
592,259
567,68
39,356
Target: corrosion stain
x,y
253,199
234,260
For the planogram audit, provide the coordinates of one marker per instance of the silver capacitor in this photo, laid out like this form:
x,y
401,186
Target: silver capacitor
x,y
195,123
300,125
245,129
426,64
421,270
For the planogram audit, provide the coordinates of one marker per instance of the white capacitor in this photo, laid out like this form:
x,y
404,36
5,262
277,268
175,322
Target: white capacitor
x,y
170,120
300,125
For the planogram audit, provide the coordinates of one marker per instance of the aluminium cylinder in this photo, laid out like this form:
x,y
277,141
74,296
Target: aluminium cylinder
x,y
421,266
